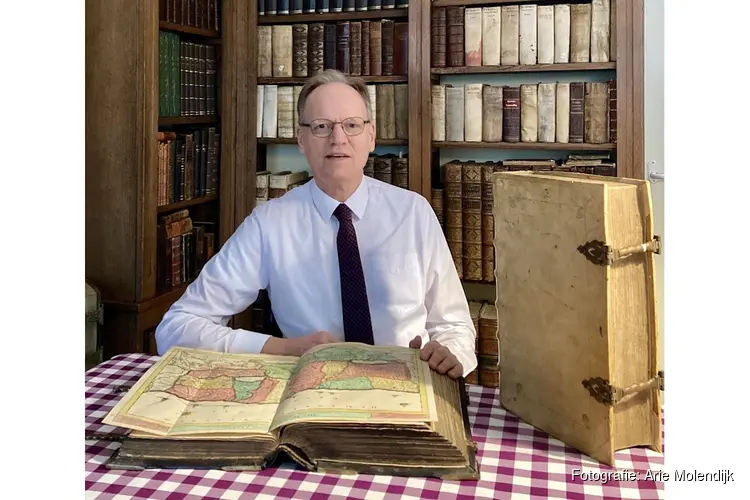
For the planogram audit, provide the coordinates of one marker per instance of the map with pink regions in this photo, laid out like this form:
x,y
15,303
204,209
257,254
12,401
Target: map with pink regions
x,y
354,375
259,385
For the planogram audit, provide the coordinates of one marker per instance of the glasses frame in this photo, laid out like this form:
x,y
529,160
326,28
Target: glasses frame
x,y
333,125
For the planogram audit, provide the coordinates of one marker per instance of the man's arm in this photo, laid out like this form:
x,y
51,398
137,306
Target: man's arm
x,y
226,286
448,318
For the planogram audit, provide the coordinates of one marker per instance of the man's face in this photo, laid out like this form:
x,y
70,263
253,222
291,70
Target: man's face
x,y
340,158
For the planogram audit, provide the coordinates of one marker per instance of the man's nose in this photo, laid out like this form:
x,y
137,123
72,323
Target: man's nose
x,y
337,135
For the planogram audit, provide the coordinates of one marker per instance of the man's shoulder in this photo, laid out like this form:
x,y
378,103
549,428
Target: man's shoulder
x,y
397,196
293,199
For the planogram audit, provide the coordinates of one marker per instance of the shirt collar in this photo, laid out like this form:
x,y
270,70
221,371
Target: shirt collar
x,y
325,205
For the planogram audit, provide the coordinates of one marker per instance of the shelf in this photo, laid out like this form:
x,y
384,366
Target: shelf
x,y
333,16
527,68
189,30
188,120
477,3
285,140
299,80
569,146
173,207
477,282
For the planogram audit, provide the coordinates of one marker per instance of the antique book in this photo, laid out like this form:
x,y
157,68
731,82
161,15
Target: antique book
x,y
260,90
285,111
529,112
545,29
596,101
436,201
489,374
511,113
455,111
471,208
509,35
613,30
388,34
297,92
439,37
370,165
546,100
438,112
580,248
329,46
491,43
315,46
300,49
282,53
385,117
454,214
343,47
282,182
473,112
355,48
401,109
600,25
365,44
400,168
562,33
373,93
562,112
343,408
612,111
401,48
376,48
270,107
580,32
473,36
488,225
265,51
492,113
576,121
527,34
384,168
455,36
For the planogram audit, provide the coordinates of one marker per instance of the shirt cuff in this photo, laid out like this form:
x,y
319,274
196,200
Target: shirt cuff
x,y
245,341
468,359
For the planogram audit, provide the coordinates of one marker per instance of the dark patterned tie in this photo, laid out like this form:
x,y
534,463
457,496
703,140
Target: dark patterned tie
x,y
354,304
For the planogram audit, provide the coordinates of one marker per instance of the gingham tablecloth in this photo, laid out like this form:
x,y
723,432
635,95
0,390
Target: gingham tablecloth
x,y
516,461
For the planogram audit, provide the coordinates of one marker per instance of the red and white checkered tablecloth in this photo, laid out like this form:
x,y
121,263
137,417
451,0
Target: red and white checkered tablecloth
x,y
516,461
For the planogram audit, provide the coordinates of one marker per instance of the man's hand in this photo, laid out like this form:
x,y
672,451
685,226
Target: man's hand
x,y
298,346
439,357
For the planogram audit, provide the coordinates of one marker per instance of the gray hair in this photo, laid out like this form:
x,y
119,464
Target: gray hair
x,y
334,76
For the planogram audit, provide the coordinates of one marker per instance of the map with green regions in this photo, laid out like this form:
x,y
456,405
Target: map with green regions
x,y
354,382
200,392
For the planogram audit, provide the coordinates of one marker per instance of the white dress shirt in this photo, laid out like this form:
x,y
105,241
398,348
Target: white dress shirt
x,y
288,246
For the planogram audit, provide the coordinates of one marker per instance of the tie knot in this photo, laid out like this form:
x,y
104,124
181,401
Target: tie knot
x,y
343,213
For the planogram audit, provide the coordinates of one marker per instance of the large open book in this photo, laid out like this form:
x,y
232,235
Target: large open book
x,y
344,408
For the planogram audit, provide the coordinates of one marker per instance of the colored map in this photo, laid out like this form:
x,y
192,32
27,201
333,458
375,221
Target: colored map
x,y
198,392
354,382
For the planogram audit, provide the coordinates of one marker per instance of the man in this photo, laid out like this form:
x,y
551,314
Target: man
x,y
344,257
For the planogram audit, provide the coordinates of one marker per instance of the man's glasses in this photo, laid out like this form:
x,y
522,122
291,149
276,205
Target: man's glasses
x,y
324,128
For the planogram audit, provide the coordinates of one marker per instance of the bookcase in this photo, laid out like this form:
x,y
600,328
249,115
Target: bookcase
x,y
161,135
522,85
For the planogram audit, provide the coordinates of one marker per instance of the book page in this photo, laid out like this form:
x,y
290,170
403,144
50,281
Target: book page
x,y
191,391
353,382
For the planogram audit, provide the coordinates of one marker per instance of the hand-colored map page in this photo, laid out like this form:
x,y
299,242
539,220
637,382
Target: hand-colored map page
x,y
190,391
348,382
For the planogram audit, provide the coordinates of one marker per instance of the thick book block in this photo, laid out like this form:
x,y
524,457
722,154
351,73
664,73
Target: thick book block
x,y
580,248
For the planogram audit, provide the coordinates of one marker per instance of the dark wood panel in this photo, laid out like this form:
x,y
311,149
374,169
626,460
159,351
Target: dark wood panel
x,y
165,121
416,162
173,207
332,16
525,68
190,30
425,101
526,145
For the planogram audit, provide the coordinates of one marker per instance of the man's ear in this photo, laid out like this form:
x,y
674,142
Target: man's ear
x,y
300,143
372,136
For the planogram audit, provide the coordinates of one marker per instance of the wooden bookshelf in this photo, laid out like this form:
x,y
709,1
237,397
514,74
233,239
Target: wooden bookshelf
x,y
293,140
482,3
294,80
545,146
528,68
123,201
333,16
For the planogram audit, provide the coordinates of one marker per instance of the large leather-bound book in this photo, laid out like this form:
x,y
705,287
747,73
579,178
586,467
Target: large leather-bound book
x,y
439,37
595,112
473,36
316,46
455,35
400,48
329,46
376,48
385,114
355,47
344,408
299,43
343,47
265,51
577,110
388,34
600,25
400,166
488,225
365,43
401,110
580,32
454,214
471,206
580,248
282,50
492,113
511,113
384,168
